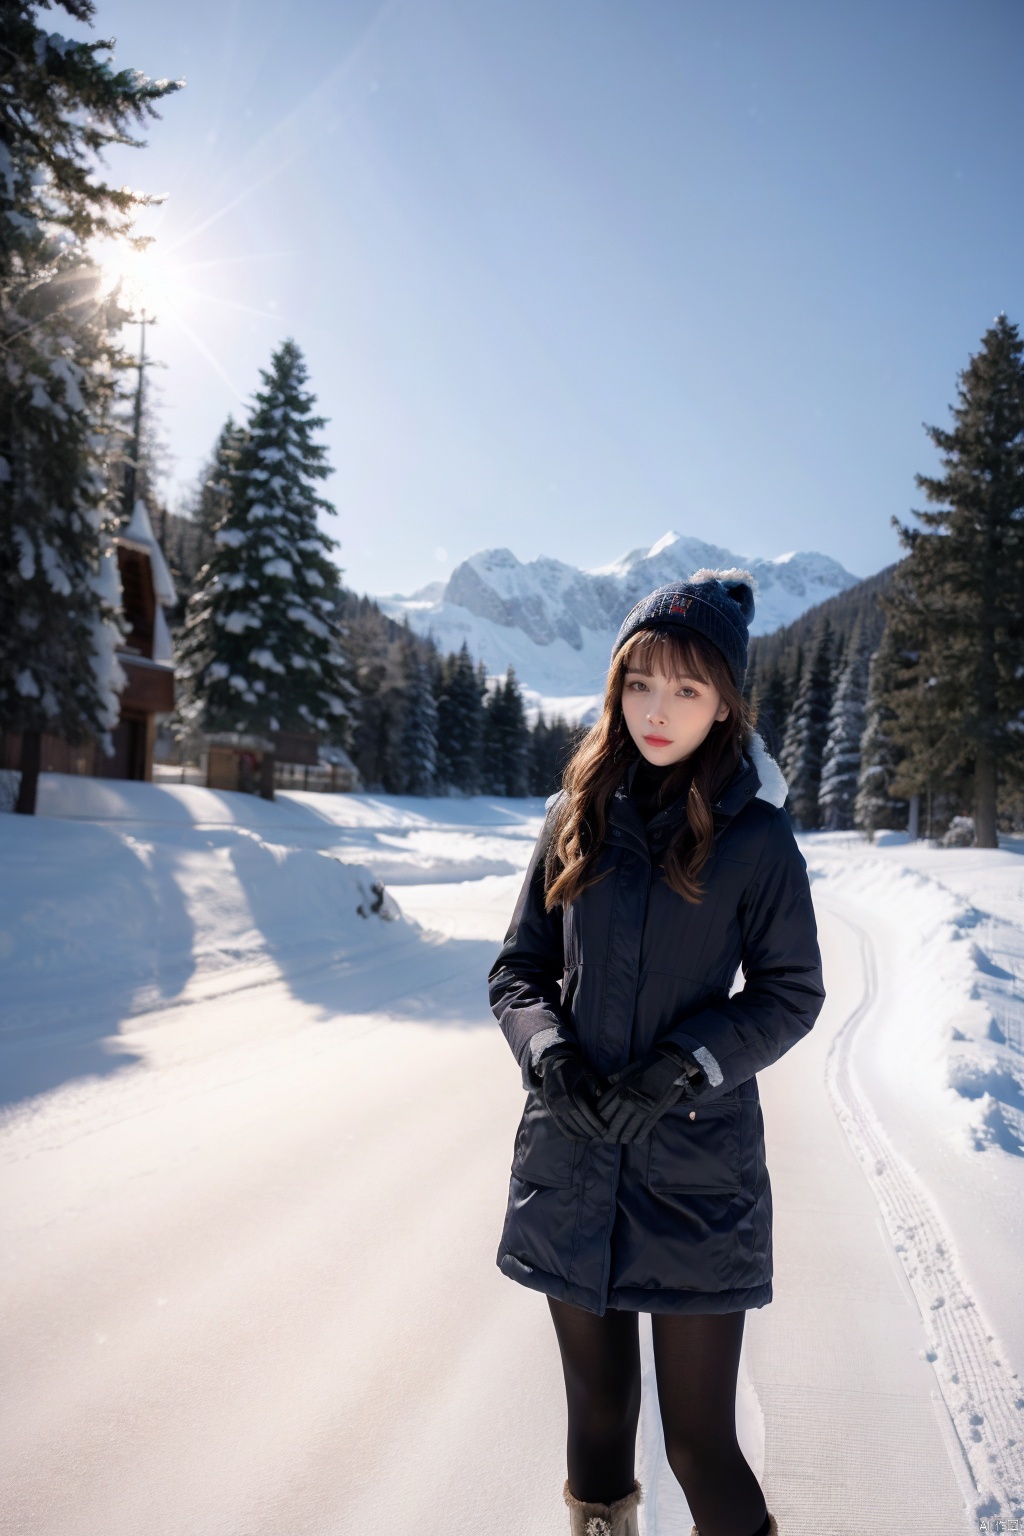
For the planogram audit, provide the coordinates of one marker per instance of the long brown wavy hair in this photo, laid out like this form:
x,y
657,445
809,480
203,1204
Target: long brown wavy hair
x,y
599,763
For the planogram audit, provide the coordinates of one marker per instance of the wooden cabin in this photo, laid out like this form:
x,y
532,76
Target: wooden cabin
x,y
279,760
146,657
240,760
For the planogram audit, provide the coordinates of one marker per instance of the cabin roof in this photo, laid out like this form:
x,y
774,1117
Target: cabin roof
x,y
140,531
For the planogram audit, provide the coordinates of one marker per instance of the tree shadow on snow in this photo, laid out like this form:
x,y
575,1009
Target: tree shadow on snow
x,y
306,907
431,983
92,924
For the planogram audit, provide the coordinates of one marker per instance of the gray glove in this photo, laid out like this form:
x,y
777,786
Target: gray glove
x,y
570,1089
639,1095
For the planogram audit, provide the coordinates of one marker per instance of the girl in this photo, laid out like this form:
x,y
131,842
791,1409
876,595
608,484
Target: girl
x,y
639,1181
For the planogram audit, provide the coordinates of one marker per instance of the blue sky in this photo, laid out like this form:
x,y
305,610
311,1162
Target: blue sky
x,y
570,273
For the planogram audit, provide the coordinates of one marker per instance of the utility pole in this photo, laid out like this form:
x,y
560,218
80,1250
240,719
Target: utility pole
x,y
914,818
132,460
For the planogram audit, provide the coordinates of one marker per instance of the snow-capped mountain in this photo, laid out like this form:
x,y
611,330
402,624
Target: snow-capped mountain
x,y
555,623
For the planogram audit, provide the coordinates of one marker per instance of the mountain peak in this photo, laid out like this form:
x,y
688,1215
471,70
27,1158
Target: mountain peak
x,y
665,542
555,623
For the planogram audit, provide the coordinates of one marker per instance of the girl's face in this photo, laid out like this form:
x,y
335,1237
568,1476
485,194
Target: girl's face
x,y
669,717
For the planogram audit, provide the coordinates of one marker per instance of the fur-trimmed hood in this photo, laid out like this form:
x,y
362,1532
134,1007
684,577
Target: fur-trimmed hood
x,y
774,788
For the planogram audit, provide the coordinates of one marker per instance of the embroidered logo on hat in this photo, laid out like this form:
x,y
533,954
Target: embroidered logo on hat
x,y
717,604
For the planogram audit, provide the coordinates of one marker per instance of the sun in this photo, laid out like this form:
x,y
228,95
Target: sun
x,y
145,282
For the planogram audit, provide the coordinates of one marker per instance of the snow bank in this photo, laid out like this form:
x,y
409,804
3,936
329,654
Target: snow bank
x,y
130,893
927,1078
957,916
90,909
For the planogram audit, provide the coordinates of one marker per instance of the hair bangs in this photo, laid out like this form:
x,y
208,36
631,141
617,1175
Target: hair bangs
x,y
661,650
603,756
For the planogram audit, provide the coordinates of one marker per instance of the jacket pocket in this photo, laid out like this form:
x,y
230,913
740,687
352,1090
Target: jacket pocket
x,y
542,1154
702,1153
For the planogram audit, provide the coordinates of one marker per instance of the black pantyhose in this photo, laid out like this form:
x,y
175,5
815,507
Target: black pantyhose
x,y
601,1364
696,1360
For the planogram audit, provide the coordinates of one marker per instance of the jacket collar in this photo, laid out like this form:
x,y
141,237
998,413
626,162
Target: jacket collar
x,y
756,777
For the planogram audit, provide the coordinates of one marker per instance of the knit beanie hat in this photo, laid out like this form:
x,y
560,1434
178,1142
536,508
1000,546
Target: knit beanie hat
x,y
717,604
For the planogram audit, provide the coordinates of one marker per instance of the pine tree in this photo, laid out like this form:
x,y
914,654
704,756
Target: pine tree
x,y
209,505
187,537
261,648
876,807
807,732
61,106
213,491
771,701
418,750
460,728
381,681
382,654
957,602
840,764
551,745
506,748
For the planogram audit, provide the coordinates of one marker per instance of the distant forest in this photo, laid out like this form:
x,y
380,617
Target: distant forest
x,y
424,722
899,703
420,722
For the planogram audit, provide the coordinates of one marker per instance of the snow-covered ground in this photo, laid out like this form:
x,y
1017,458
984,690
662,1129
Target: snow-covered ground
x,y
256,1130
930,1089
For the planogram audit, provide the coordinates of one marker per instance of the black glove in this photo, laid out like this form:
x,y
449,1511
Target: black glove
x,y
569,1089
639,1095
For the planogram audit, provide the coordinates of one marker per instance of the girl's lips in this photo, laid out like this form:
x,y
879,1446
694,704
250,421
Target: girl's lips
x,y
657,741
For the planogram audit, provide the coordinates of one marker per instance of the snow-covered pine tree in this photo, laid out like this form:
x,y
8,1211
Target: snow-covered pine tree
x,y
381,678
775,686
190,542
875,806
189,561
378,650
214,491
418,746
770,702
840,763
506,748
807,731
61,106
460,726
261,650
956,601
551,744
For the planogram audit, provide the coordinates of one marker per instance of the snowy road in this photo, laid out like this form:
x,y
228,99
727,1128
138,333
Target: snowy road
x,y
253,1287
248,1279
857,1438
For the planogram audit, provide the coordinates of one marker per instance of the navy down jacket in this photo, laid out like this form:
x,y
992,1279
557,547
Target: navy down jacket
x,y
681,1222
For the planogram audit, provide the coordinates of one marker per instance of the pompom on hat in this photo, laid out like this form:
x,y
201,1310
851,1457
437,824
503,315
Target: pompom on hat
x,y
717,604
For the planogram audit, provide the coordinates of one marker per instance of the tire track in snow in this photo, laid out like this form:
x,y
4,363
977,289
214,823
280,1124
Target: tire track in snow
x,y
982,1395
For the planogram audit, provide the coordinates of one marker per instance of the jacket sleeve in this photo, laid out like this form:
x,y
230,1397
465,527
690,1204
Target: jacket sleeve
x,y
782,992
525,981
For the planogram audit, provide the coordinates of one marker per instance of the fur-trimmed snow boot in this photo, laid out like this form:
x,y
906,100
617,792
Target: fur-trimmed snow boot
x,y
618,1519
773,1529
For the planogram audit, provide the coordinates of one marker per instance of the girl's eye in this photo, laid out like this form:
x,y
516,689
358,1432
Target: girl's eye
x,y
637,684
688,693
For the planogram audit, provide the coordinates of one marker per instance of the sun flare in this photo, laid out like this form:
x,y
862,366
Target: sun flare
x,y
146,282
